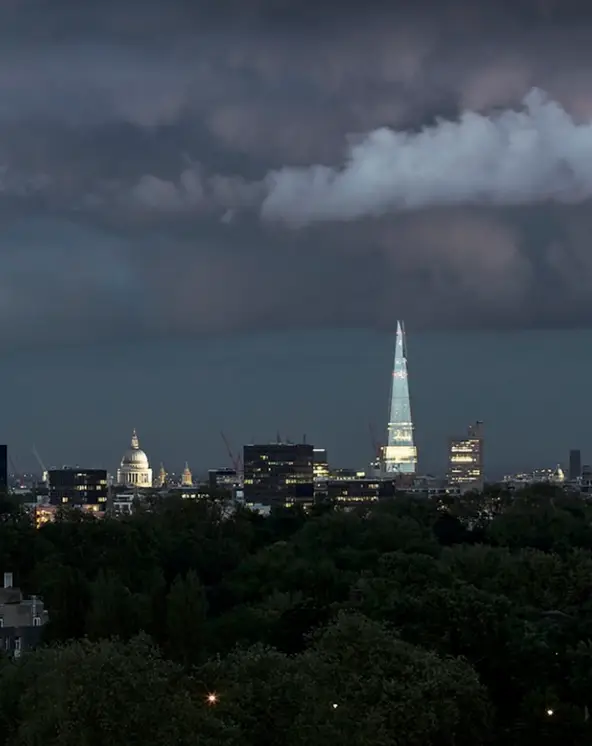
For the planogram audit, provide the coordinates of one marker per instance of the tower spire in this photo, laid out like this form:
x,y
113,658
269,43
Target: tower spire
x,y
400,454
187,478
135,440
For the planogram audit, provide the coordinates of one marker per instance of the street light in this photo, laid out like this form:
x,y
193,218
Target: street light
x,y
550,712
212,698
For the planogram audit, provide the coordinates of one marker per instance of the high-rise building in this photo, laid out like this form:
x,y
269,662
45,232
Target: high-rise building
x,y
279,473
3,468
75,487
400,454
575,464
465,458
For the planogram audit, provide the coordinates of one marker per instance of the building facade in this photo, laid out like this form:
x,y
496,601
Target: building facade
x,y
134,470
225,479
279,473
465,458
21,619
77,488
399,456
320,463
360,490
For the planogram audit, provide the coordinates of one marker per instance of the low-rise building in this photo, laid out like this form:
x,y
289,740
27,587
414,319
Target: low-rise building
x,y
360,489
21,619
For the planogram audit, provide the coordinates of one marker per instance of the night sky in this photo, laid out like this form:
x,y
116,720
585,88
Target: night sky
x,y
213,213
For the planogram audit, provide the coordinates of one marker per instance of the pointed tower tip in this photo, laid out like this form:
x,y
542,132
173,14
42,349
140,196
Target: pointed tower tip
x,y
135,441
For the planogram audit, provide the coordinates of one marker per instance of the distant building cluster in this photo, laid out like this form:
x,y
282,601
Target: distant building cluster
x,y
286,473
277,473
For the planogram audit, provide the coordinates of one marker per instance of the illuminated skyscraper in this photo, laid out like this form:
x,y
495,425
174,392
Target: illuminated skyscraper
x,y
400,453
465,459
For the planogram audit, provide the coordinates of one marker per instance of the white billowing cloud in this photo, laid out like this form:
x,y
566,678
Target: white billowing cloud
x,y
512,157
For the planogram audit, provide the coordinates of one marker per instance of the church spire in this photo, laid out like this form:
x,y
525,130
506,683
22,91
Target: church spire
x,y
162,476
135,441
187,478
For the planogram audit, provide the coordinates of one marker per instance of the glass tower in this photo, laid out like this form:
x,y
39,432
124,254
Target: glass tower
x,y
400,453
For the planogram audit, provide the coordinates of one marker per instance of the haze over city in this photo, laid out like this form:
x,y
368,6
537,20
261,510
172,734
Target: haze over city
x,y
212,215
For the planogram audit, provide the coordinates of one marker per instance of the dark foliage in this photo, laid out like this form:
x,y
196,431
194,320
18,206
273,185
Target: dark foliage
x,y
403,623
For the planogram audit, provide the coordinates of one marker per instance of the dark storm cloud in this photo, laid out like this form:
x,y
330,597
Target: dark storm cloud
x,y
137,143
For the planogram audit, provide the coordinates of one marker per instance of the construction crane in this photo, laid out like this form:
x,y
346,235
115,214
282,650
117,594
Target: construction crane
x,y
236,461
44,472
377,463
376,448
13,466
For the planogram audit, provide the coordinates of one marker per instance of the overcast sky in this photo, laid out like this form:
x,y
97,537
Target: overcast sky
x,y
212,214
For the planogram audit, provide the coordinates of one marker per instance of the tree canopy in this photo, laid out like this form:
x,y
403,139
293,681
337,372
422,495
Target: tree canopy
x,y
400,623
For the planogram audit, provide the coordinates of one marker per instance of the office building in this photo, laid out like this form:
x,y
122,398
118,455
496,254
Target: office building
x,y
78,488
3,468
399,456
575,464
279,473
360,489
320,463
465,459
225,479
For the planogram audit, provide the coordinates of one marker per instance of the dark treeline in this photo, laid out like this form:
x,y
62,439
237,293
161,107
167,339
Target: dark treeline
x,y
404,623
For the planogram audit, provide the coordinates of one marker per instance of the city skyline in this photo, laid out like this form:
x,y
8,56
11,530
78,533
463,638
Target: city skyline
x,y
195,241
348,374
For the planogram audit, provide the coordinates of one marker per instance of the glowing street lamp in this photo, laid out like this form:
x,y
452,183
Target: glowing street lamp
x,y
550,712
212,699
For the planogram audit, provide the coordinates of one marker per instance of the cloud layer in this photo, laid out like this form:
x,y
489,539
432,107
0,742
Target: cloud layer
x,y
139,150
509,158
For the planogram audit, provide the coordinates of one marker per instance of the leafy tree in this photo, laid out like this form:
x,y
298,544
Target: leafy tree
x,y
186,615
114,611
357,685
105,693
370,687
